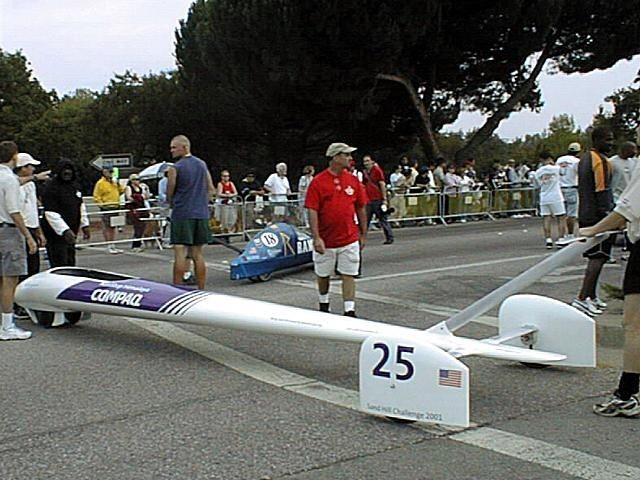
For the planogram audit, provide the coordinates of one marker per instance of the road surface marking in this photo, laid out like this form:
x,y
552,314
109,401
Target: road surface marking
x,y
565,460
449,268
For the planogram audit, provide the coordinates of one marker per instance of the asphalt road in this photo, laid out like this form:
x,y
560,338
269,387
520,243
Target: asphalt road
x,y
115,398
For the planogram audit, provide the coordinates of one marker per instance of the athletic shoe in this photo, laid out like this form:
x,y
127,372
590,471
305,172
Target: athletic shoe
x,y
586,306
350,313
324,307
189,278
113,250
14,333
548,243
19,312
389,241
599,303
615,407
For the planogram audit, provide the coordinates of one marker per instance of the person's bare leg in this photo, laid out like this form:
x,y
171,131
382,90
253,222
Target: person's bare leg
x,y
571,225
546,226
179,263
349,293
108,233
199,265
323,285
7,292
590,280
562,226
348,288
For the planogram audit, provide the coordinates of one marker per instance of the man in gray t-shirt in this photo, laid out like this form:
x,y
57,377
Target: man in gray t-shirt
x,y
189,190
623,167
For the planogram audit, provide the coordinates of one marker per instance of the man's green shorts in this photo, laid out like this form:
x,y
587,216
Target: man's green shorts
x,y
190,232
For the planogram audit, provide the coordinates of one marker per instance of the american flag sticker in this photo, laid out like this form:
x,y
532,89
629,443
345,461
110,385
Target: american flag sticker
x,y
450,378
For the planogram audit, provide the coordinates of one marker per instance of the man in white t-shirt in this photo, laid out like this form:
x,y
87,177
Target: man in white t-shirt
x,y
25,169
625,401
551,199
569,184
277,186
623,166
13,234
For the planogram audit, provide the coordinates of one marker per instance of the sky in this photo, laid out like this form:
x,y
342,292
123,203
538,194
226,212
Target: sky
x,y
73,44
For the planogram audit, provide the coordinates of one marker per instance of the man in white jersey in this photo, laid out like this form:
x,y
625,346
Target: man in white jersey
x,y
551,199
623,166
277,186
569,184
13,235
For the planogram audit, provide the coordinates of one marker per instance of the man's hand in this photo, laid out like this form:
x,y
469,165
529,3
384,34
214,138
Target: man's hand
x,y
86,233
42,176
587,232
32,245
40,239
362,240
69,237
318,245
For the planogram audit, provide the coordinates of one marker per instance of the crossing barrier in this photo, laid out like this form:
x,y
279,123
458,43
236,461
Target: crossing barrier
x,y
242,217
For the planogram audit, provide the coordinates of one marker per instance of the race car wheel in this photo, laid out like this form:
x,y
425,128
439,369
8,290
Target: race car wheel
x,y
45,319
265,277
73,317
535,365
401,420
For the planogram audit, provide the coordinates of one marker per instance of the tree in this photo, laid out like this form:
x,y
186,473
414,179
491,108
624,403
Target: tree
x,y
559,134
624,119
22,98
487,55
286,77
136,114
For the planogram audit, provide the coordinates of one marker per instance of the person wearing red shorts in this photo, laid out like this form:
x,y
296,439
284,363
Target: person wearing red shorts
x,y
336,203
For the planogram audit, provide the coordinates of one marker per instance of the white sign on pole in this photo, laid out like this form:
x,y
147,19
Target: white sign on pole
x,y
406,378
111,160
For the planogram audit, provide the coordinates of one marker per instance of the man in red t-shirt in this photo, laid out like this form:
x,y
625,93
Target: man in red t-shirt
x,y
376,189
336,203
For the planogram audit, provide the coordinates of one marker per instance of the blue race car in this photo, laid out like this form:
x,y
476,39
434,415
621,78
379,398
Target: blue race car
x,y
277,247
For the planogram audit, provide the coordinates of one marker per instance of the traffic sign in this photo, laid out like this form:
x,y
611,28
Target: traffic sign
x,y
111,160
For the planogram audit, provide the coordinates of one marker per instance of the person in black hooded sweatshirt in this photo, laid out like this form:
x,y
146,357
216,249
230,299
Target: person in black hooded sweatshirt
x,y
64,214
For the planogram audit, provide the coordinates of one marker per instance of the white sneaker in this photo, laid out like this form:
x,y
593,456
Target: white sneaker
x,y
14,333
586,306
599,303
113,250
548,243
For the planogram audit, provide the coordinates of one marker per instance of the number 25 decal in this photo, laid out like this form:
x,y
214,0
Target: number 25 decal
x,y
378,369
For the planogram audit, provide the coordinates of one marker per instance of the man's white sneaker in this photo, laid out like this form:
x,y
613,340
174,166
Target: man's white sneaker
x,y
14,333
586,306
599,303
113,250
548,243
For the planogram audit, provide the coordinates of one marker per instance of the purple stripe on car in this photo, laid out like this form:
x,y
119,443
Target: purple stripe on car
x,y
129,293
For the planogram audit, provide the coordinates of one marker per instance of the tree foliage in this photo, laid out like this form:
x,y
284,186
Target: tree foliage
x,y
264,81
286,77
22,98
624,119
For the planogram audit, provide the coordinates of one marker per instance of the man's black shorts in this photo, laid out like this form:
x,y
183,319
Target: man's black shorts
x,y
631,283
603,249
